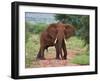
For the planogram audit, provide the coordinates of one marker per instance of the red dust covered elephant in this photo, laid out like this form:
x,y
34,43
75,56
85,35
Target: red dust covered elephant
x,y
54,35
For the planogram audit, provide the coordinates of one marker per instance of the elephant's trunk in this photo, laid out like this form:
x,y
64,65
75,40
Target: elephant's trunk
x,y
59,40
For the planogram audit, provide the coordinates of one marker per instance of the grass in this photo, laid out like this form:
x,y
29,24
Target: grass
x,y
82,59
74,43
32,48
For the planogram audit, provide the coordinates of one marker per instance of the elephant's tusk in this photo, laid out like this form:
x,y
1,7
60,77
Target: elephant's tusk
x,y
65,41
55,41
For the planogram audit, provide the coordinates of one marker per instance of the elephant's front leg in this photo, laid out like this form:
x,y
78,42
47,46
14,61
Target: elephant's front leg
x,y
64,50
57,52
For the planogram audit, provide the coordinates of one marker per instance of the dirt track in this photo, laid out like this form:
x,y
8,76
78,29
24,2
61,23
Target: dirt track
x,y
52,62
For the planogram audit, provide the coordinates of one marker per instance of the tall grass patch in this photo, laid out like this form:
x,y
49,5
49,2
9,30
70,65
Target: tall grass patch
x,y
75,43
81,59
32,48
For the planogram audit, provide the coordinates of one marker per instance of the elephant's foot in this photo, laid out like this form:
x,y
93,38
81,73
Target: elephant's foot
x,y
40,58
58,58
64,58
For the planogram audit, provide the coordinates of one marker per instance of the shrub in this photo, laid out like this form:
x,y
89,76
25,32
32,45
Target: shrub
x,y
38,28
31,28
82,59
75,43
31,49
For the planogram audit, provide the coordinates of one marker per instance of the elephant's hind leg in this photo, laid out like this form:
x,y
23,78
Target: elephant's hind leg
x,y
41,54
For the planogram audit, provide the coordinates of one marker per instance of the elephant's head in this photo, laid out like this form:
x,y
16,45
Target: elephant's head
x,y
64,31
59,31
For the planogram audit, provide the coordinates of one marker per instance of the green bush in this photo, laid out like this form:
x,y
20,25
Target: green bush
x,y
27,36
35,28
31,49
82,59
31,28
75,43
38,28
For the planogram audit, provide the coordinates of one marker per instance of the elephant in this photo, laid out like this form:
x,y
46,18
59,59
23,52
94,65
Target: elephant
x,y
55,35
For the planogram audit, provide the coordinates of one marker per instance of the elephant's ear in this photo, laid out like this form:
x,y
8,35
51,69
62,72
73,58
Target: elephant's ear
x,y
52,31
69,31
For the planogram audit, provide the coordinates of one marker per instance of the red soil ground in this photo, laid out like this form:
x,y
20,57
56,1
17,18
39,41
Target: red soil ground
x,y
52,62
